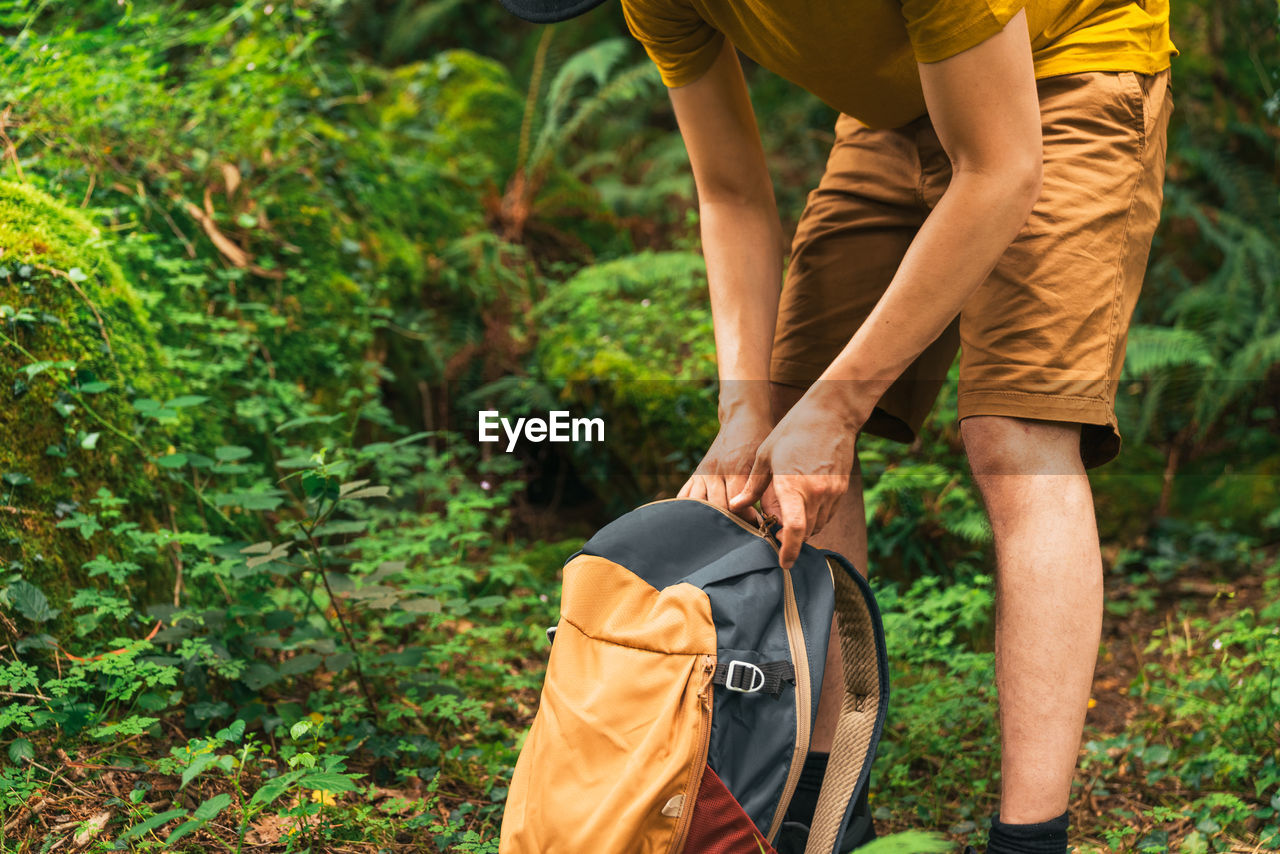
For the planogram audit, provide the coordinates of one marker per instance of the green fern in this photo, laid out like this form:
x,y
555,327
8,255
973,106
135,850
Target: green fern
x,y
1153,348
594,63
631,85
1219,341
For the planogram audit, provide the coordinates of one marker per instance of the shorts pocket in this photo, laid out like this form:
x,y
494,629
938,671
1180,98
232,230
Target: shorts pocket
x,y
1134,93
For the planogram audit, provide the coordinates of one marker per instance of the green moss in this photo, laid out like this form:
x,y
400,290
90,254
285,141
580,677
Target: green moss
x,y
631,341
63,299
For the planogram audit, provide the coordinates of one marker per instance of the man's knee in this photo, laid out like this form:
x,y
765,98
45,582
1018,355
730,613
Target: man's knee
x,y
1002,445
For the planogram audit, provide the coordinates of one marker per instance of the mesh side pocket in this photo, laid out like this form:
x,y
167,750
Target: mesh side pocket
x,y
719,825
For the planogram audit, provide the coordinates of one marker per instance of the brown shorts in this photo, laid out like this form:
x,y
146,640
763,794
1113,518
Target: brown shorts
x,y
1044,336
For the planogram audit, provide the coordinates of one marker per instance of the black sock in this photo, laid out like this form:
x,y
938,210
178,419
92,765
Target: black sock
x,y
1046,837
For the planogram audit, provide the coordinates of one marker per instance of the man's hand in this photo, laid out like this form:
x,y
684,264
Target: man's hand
x,y
807,461
723,471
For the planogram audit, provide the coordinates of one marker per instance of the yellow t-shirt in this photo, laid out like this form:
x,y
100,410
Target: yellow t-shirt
x,y
859,56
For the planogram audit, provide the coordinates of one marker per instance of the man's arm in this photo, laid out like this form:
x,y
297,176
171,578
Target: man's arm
x,y
986,112
742,244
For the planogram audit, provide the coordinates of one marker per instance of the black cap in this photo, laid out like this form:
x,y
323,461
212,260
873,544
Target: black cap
x,y
549,11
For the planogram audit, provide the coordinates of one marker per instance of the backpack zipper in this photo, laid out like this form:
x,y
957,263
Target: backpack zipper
x,y
799,660
700,761
760,531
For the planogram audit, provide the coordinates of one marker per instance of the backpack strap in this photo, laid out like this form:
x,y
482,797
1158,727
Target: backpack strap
x,y
862,710
745,677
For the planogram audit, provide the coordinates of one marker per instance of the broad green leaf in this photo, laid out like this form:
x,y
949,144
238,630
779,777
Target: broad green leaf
x,y
1194,843
338,661
422,605
151,824
320,486
352,486
908,842
186,827
486,603
35,369
267,499
210,808
274,788
328,781
233,732
301,664
30,601
1156,754
230,453
197,767
187,400
278,552
259,675
20,749
258,548
342,526
370,492
305,420
172,461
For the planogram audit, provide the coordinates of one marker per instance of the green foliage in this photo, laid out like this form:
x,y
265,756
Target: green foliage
x,y
1196,398
909,842
357,585
231,572
942,723
1210,689
1228,690
78,359
1223,340
628,341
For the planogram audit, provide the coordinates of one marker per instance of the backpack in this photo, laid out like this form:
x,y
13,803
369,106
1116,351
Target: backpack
x,y
681,688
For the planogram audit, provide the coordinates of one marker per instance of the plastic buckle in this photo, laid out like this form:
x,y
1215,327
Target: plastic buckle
x,y
757,677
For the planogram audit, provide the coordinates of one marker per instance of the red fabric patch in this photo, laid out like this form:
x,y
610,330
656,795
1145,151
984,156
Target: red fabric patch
x,y
719,826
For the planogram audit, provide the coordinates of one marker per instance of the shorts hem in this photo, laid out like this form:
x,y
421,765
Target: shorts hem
x,y
1100,431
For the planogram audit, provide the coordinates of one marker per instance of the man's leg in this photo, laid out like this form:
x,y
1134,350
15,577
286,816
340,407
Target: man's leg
x,y
1048,603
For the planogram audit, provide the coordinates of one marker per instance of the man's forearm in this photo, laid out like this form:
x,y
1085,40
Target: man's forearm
x,y
742,244
952,254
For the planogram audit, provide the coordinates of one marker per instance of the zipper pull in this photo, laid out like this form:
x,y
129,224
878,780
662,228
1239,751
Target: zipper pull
x,y
766,521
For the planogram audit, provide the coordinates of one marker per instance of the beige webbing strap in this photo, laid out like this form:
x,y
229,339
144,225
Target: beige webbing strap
x,y
858,712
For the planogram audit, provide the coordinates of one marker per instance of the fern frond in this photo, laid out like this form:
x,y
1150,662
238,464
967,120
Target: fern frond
x,y
1246,373
630,85
1153,348
593,63
531,99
